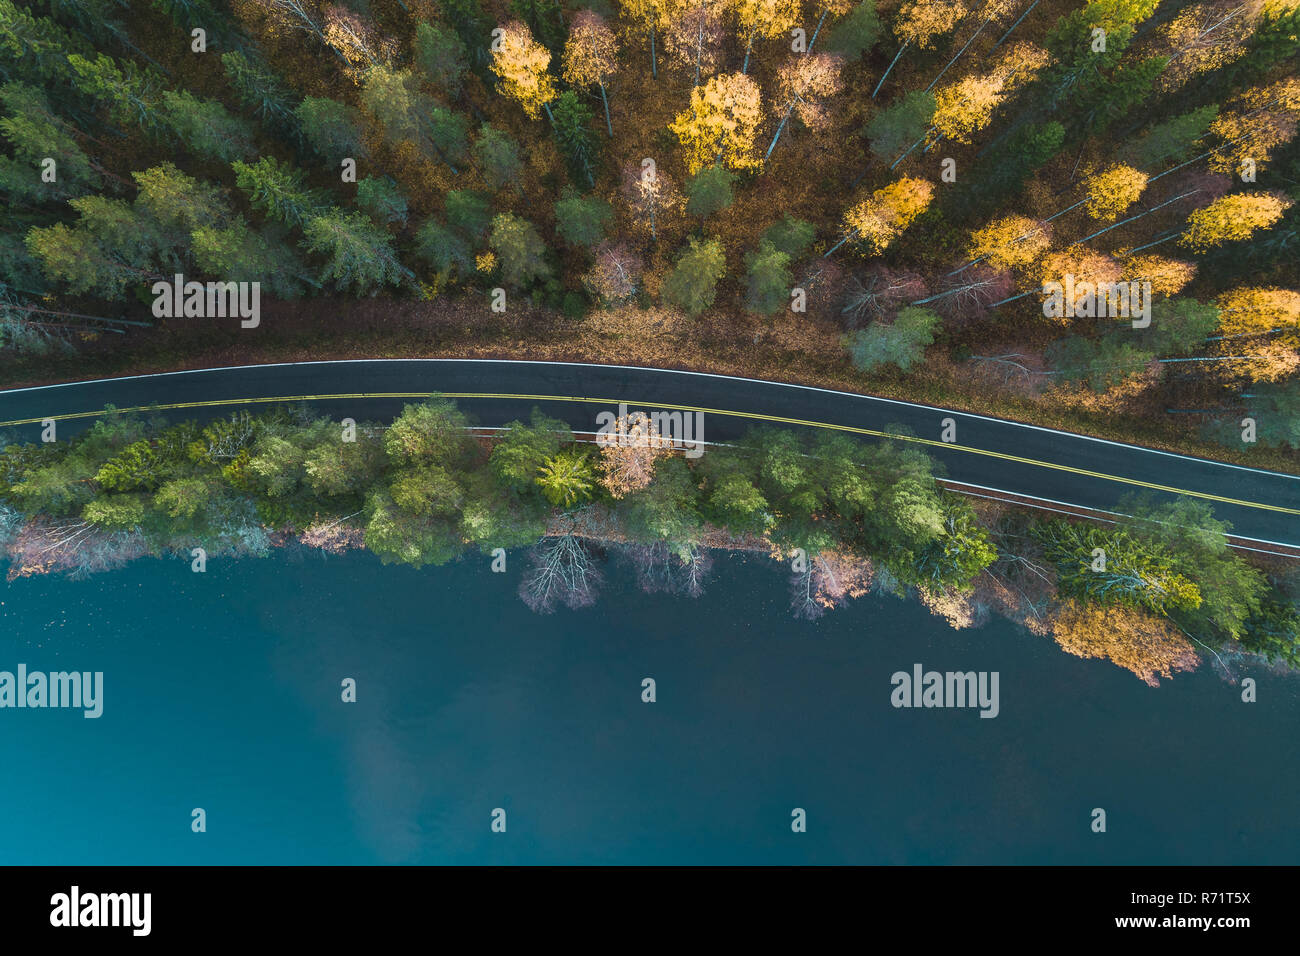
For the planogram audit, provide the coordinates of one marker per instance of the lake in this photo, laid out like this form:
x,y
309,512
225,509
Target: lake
x,y
222,692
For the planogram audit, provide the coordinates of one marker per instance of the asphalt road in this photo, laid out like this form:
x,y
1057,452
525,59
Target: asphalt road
x,y
987,453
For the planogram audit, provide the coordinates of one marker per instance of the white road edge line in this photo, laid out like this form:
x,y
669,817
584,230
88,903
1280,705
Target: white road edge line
x,y
667,371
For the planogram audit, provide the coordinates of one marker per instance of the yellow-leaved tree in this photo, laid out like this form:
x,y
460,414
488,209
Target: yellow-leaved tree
x,y
694,35
881,218
1261,329
719,126
763,20
521,63
356,40
1264,117
1113,190
803,85
1136,640
1260,311
1232,218
918,22
1206,36
1013,242
965,107
1085,266
650,17
1167,276
591,55
628,453
651,196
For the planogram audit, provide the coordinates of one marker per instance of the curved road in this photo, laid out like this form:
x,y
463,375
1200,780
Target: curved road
x,y
990,455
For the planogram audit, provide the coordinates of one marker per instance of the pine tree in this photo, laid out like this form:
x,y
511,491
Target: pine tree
x,y
855,36
519,249
904,122
381,199
278,190
34,133
442,248
709,191
469,213
582,220
440,55
333,129
130,95
791,236
572,119
261,90
1173,139
692,285
767,285
111,246
358,256
901,343
498,159
206,127
33,49
236,253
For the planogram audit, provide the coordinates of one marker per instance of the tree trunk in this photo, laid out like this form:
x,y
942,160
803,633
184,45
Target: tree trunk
x,y
784,118
840,243
1133,218
1014,25
891,67
910,148
1057,215
1012,298
820,21
699,49
958,54
604,99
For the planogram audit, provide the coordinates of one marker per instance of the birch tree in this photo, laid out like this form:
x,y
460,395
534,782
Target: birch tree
x,y
590,56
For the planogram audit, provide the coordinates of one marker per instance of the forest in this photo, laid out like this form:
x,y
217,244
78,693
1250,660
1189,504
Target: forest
x,y
871,196
844,516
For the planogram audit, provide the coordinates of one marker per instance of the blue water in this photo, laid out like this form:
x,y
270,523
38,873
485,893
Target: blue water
x,y
222,691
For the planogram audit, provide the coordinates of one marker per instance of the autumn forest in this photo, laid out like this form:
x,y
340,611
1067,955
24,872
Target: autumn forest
x,y
865,196
1074,214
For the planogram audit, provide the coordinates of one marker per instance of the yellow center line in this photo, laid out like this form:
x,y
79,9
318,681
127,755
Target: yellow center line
x,y
753,416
